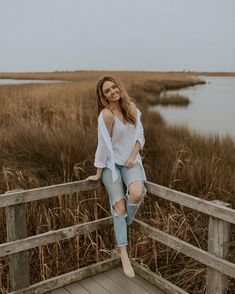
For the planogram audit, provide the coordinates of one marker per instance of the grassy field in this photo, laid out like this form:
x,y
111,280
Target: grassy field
x,y
48,135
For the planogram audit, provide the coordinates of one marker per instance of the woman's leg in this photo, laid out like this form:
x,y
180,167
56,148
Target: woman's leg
x,y
126,264
135,191
118,210
116,194
135,195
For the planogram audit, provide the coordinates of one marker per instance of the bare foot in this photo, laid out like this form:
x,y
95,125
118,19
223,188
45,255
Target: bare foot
x,y
127,267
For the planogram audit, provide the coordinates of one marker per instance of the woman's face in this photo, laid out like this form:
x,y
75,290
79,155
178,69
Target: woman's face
x,y
111,91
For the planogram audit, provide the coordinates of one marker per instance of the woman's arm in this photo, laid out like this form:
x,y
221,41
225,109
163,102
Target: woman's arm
x,y
135,150
140,131
130,162
100,155
97,176
99,172
140,136
140,140
108,120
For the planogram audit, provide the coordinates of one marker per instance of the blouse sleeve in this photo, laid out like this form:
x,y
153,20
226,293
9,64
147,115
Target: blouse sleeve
x,y
101,154
140,130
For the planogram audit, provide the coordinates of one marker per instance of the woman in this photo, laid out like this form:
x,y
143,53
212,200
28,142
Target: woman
x,y
117,158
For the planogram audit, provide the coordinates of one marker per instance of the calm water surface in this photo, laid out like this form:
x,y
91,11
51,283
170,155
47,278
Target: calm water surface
x,y
10,82
212,107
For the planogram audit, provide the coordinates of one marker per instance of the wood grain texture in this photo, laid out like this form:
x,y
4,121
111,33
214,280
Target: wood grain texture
x,y
218,244
47,192
54,236
18,262
156,280
198,204
68,278
198,254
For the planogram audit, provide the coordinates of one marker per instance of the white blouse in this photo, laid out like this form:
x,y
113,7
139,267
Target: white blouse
x,y
122,139
110,150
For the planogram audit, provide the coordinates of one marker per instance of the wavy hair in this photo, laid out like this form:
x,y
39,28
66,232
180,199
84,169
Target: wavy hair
x,y
124,101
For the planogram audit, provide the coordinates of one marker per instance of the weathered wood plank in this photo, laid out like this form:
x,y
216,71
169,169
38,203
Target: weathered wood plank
x,y
125,282
68,278
202,256
17,229
109,284
151,288
60,291
156,280
193,202
218,244
54,236
48,192
93,287
76,288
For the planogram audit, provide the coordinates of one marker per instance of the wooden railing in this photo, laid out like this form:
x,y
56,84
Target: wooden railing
x,y
218,268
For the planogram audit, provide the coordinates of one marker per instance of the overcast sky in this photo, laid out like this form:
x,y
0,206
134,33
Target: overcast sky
x,y
50,35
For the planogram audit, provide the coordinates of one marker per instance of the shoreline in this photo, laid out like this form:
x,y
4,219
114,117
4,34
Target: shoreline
x,y
66,74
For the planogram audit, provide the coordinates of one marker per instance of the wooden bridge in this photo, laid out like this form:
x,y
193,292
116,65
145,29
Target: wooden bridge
x,y
106,276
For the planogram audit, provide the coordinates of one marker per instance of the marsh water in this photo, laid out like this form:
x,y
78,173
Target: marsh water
x,y
212,107
11,81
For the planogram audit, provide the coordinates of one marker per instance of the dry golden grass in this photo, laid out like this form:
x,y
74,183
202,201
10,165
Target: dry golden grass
x,y
165,77
170,100
219,74
48,135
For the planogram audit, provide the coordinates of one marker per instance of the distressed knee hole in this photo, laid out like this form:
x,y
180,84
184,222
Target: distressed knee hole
x,y
135,199
136,192
120,208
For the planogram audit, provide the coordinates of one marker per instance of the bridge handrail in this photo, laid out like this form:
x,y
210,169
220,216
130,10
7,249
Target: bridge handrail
x,y
220,218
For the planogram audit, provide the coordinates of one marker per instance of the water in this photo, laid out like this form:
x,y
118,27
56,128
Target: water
x,y
212,107
11,81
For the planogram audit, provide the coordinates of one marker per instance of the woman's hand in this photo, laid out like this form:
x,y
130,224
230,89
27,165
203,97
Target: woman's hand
x,y
130,162
94,178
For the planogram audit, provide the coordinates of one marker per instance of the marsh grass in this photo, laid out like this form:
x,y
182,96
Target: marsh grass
x,y
48,135
154,91
173,100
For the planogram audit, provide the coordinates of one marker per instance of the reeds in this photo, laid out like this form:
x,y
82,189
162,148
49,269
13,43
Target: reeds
x,y
48,135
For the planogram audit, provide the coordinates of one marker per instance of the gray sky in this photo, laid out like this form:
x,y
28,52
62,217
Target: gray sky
x,y
49,35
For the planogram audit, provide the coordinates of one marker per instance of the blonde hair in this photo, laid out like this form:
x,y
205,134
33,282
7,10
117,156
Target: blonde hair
x,y
124,101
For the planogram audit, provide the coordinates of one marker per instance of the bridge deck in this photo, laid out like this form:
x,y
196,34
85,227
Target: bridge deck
x,y
110,282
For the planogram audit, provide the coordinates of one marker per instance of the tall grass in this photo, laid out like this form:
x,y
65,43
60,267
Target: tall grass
x,y
48,135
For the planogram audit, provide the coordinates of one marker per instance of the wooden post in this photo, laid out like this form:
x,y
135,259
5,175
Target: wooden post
x,y
218,244
17,229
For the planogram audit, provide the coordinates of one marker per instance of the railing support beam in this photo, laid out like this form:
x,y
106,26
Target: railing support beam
x,y
17,229
218,244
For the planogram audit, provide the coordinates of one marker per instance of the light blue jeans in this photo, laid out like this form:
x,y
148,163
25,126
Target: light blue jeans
x,y
119,190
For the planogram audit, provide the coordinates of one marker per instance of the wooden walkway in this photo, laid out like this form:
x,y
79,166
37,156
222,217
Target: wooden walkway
x,y
110,282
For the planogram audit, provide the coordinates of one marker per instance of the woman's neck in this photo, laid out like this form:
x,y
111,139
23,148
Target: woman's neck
x,y
115,107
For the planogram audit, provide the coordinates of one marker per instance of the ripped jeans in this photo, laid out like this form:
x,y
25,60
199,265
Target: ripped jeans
x,y
119,190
